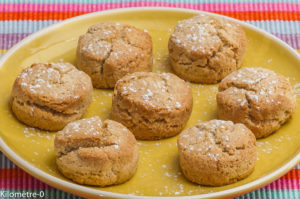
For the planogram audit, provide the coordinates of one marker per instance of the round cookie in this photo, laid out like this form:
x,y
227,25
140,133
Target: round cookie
x,y
217,152
94,153
50,95
256,97
153,106
204,49
108,51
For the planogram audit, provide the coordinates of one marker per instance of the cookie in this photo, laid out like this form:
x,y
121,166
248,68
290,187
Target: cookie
x,y
259,98
153,106
108,51
217,152
50,95
204,49
94,153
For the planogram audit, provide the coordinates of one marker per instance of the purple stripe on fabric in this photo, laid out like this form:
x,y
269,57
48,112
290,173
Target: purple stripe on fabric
x,y
292,39
8,40
18,183
92,7
284,184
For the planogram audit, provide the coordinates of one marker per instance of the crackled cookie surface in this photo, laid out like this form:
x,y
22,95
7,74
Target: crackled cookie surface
x,y
152,106
205,49
259,98
217,152
108,51
94,153
50,95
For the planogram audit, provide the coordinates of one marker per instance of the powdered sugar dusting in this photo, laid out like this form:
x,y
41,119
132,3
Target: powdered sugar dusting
x,y
155,90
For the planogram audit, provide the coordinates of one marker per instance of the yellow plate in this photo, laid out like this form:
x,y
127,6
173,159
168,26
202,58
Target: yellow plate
x,y
158,173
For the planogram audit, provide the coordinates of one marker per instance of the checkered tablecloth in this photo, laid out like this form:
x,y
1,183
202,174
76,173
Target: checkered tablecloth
x,y
20,18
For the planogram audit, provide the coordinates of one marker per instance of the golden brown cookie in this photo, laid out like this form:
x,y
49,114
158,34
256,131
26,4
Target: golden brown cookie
x,y
217,152
256,97
94,153
153,106
108,51
50,95
204,49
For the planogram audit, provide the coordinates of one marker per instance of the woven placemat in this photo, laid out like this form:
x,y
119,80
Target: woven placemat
x,y
20,18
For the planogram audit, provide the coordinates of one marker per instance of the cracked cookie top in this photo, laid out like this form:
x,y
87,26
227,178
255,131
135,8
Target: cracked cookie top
x,y
216,139
92,139
92,152
152,105
55,86
102,39
205,49
108,51
202,36
257,97
155,91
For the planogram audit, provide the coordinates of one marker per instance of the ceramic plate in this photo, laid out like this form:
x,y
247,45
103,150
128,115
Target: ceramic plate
x,y
158,173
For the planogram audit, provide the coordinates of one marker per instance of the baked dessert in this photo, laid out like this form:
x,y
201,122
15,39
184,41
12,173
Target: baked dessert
x,y
217,152
259,98
153,106
108,51
94,153
204,49
50,95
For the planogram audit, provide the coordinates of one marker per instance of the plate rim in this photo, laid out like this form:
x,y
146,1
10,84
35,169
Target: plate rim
x,y
87,191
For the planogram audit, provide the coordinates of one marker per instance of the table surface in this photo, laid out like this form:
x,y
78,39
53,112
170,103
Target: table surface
x,y
20,18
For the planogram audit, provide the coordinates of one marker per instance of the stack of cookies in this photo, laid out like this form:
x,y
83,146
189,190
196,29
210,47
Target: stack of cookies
x,y
252,102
